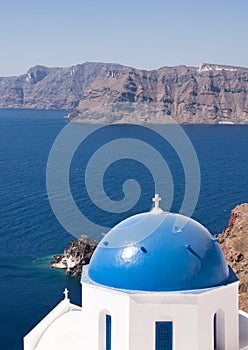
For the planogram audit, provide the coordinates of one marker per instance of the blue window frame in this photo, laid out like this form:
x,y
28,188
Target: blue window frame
x,y
164,335
108,332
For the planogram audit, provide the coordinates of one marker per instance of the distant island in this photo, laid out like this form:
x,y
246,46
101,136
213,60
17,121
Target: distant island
x,y
208,94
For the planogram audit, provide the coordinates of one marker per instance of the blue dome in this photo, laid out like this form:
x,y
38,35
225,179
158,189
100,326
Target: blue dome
x,y
159,252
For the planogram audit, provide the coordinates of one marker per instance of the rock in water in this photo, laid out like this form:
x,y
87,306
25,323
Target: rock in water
x,y
75,256
234,243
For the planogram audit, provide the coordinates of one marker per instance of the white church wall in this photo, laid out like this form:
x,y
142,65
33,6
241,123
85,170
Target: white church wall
x,y
134,316
97,302
222,301
243,330
143,317
220,328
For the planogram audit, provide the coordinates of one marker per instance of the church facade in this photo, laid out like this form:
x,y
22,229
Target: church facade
x,y
157,281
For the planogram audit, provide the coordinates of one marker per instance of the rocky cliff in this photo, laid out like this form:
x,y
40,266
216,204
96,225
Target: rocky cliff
x,y
234,243
208,94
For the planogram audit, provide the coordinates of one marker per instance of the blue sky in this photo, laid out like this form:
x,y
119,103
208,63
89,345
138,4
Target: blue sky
x,y
143,34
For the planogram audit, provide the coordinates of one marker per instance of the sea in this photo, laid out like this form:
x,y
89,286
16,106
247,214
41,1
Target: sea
x,y
31,231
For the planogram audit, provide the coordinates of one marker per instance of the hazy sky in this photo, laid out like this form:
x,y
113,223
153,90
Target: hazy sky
x,y
143,34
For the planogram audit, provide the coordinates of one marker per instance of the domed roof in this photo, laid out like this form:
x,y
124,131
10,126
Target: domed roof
x,y
159,251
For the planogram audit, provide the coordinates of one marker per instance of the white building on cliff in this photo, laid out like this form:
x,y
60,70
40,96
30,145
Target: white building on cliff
x,y
157,281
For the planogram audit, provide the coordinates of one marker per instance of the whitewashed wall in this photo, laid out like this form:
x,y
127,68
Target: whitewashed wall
x,y
134,316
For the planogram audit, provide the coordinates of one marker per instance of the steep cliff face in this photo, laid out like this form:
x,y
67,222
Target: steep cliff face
x,y
234,243
208,94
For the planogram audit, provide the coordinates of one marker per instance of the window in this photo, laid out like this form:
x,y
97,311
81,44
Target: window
x,y
219,329
108,332
164,335
215,337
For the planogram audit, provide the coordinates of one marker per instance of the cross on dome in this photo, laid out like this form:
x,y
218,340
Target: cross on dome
x,y
156,200
66,292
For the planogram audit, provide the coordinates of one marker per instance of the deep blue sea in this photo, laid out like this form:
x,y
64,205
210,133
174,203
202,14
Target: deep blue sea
x,y
30,232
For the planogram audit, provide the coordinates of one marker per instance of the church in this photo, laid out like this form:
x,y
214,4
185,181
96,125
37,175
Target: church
x,y
156,281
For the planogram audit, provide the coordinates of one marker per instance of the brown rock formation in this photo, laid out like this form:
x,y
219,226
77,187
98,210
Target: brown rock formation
x,y
75,256
208,94
234,243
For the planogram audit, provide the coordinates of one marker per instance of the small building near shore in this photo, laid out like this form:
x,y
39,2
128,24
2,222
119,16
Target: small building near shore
x,y
156,281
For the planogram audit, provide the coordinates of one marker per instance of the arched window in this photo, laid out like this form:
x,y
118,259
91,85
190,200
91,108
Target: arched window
x,y
215,329
105,330
219,330
108,332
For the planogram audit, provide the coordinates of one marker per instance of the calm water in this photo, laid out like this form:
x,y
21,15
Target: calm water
x,y
30,233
